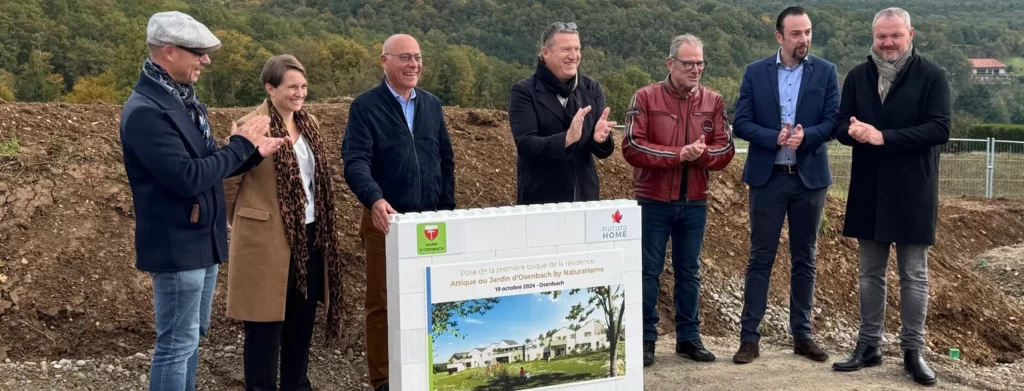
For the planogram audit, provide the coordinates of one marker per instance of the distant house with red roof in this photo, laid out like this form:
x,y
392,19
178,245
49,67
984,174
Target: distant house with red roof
x,y
989,70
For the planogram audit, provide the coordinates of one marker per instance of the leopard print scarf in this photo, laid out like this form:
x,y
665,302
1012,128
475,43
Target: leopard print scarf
x,y
292,200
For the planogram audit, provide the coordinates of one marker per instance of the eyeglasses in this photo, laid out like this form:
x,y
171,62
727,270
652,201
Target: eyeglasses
x,y
190,50
564,27
406,57
688,65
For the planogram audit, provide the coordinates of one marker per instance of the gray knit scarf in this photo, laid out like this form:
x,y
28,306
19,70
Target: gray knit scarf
x,y
888,72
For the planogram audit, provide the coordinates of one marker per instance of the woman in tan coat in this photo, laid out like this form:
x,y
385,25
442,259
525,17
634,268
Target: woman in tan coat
x,y
283,255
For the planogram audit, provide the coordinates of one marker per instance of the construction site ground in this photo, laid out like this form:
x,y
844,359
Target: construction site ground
x,y
75,314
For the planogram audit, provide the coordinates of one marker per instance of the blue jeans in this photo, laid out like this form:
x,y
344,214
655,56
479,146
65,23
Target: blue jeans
x,y
685,226
182,302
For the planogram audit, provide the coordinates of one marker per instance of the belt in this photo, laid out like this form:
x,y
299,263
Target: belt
x,y
786,168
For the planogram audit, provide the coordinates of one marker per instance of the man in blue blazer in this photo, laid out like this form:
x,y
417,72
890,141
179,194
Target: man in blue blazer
x,y
787,110
176,173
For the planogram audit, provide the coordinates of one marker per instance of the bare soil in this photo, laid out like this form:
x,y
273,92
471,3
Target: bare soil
x,y
69,289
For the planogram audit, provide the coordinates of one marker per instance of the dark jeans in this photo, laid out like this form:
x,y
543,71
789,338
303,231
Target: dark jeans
x,y
685,226
289,340
784,194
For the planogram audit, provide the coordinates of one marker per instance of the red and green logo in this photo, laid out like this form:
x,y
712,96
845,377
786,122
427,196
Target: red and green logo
x,y
431,239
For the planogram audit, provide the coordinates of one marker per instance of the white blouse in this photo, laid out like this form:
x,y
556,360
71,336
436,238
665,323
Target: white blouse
x,y
307,170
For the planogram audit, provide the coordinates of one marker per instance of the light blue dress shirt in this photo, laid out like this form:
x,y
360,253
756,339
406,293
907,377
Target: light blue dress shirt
x,y
789,90
408,107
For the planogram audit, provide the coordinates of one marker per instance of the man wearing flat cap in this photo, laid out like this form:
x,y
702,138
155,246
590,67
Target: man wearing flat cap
x,y
176,173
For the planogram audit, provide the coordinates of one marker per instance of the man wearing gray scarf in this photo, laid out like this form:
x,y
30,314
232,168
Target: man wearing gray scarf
x,y
895,113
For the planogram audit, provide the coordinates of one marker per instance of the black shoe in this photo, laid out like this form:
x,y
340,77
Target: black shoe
x,y
648,353
807,347
695,350
913,363
383,387
747,353
863,356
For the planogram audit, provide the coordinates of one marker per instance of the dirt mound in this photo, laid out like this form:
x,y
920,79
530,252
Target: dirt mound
x,y
68,284
1004,266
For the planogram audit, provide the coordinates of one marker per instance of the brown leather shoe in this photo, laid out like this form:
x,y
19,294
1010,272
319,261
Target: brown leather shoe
x,y
747,353
807,347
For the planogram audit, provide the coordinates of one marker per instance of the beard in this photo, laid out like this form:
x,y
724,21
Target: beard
x,y
797,56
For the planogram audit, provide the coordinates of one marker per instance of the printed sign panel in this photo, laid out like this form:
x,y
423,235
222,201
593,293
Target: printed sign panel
x,y
527,323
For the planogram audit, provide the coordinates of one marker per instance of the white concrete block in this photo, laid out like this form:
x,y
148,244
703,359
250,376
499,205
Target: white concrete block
x,y
599,246
463,258
634,354
634,320
414,377
573,248
630,383
632,255
605,385
501,232
412,275
634,287
413,311
527,252
394,351
480,256
390,241
414,347
596,385
552,227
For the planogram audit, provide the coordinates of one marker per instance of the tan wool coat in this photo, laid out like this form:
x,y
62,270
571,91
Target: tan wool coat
x,y
258,252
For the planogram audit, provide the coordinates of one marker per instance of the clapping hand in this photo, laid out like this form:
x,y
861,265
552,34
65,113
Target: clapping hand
x,y
865,133
255,130
576,128
693,151
603,126
796,137
784,135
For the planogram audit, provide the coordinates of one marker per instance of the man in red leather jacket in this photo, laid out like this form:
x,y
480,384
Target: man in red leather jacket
x,y
675,135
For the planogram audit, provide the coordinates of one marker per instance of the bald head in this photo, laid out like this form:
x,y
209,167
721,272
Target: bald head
x,y
398,40
402,62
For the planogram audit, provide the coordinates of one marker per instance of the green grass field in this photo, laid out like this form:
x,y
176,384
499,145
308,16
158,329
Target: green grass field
x,y
1015,62
562,370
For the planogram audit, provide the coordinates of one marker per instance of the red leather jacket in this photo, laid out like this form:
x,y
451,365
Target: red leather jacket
x,y
659,122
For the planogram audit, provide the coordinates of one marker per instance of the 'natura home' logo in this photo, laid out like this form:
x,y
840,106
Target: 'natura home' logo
x,y
431,239
617,230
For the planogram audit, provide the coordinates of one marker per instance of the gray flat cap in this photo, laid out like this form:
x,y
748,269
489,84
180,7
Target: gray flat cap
x,y
174,28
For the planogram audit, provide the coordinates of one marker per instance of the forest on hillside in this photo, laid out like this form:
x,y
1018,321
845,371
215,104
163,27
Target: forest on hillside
x,y
86,51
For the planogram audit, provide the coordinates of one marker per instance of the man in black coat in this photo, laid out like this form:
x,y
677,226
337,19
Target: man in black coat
x,y
559,122
895,112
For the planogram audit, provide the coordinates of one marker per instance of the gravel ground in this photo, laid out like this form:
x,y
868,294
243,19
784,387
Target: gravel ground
x,y
777,369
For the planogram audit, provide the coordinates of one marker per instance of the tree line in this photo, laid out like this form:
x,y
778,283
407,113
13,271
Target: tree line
x,y
86,51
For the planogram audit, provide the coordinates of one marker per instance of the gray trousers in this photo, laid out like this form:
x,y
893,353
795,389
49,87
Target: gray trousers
x,y
912,260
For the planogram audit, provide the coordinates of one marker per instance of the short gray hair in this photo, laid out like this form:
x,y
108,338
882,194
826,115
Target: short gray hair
x,y
894,12
679,40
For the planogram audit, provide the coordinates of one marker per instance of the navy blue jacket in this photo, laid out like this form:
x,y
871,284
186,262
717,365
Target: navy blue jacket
x,y
547,171
177,184
413,172
758,119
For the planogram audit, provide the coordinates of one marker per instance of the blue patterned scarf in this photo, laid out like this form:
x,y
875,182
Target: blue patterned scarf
x,y
186,94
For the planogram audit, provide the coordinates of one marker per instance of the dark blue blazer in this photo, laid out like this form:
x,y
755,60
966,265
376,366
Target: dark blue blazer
x,y
176,182
758,119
